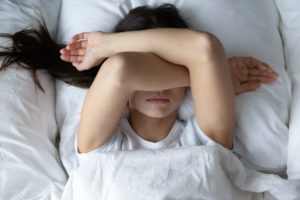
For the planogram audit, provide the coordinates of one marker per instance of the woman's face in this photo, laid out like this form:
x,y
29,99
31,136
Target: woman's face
x,y
157,104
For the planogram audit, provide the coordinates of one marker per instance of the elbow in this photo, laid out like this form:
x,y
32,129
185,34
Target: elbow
x,y
207,42
206,47
114,69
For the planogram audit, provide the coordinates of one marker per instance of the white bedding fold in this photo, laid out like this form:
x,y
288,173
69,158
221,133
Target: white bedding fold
x,y
290,30
200,172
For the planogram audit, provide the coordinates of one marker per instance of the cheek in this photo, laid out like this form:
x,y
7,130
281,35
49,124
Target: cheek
x,y
179,95
136,100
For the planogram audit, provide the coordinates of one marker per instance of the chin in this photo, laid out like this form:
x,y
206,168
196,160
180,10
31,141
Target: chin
x,y
158,115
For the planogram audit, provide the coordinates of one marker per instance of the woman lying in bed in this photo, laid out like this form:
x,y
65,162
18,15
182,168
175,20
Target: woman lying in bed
x,y
148,71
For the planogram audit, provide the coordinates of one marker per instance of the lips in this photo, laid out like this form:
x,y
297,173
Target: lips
x,y
158,100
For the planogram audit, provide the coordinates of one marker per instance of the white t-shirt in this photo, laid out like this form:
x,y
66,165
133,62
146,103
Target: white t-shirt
x,y
181,134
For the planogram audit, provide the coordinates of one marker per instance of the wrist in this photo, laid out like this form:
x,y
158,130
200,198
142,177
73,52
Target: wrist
x,y
108,42
102,43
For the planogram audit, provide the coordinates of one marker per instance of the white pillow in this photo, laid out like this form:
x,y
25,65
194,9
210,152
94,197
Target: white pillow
x,y
30,167
290,28
98,15
246,28
17,15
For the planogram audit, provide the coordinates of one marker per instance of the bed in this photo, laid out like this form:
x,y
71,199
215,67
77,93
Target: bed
x,y
34,164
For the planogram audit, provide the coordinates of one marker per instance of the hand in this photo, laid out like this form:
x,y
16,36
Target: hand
x,y
86,50
248,73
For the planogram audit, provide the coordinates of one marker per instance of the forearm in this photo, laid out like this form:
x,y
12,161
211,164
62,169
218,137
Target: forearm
x,y
148,72
174,45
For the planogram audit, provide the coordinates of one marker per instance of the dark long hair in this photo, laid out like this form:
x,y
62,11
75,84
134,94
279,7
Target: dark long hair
x,y
34,49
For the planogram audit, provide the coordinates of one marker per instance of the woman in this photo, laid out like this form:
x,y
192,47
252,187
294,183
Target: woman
x,y
148,69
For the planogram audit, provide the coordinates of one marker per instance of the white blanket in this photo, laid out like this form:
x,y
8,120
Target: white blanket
x,y
200,172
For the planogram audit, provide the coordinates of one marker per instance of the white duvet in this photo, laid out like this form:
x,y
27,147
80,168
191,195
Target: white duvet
x,y
200,172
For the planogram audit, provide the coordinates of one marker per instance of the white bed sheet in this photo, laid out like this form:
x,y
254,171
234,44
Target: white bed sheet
x,y
201,172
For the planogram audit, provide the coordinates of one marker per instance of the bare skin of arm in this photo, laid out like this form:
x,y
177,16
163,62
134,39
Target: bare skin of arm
x,y
201,54
120,76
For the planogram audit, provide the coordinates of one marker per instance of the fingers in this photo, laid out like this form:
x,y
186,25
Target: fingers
x,y
251,85
250,73
254,63
77,45
263,68
72,59
80,36
76,52
258,69
73,52
258,72
72,56
264,79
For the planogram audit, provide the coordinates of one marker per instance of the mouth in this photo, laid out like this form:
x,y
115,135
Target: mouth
x,y
158,100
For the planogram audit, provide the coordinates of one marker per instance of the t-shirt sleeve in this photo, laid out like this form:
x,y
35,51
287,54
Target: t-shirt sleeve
x,y
110,145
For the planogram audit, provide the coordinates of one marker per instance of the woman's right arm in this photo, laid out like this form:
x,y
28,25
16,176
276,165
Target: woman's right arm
x,y
120,76
102,108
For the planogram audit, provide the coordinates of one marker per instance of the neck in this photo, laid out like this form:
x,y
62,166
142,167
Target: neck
x,y
151,129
